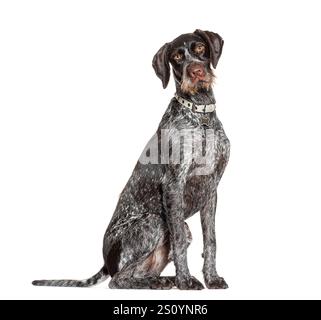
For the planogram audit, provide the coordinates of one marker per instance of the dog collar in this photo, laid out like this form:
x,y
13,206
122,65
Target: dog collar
x,y
202,108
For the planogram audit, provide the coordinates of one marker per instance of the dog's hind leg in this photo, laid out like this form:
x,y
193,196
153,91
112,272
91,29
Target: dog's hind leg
x,y
144,273
137,258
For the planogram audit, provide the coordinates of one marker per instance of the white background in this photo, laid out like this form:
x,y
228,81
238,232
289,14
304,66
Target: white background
x,y
79,100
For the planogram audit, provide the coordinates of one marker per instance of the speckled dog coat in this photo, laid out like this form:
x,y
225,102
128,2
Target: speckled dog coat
x,y
148,228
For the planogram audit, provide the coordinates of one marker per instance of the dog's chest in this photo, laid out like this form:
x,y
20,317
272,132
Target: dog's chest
x,y
196,193
204,174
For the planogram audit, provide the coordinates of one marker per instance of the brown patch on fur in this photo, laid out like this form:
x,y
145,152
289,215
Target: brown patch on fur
x,y
157,260
160,258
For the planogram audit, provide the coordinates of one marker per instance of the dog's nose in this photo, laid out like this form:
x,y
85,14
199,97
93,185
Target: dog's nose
x,y
196,70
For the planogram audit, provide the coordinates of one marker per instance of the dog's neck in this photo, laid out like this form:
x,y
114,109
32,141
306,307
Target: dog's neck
x,y
203,96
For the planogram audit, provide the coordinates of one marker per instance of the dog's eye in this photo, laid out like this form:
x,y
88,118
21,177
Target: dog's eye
x,y
199,48
178,57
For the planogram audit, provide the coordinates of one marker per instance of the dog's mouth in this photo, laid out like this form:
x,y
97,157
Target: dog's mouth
x,y
192,82
197,79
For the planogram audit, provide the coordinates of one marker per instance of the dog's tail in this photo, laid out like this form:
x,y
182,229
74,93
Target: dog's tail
x,y
101,276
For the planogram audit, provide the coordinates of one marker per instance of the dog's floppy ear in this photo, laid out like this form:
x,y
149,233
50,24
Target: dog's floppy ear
x,y
214,42
161,64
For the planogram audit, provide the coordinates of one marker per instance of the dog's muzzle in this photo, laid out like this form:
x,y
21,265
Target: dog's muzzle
x,y
196,71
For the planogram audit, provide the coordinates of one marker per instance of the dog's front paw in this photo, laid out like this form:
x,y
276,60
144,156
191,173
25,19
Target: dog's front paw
x,y
188,283
215,282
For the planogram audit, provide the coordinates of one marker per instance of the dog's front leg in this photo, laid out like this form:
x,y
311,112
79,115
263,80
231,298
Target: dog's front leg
x,y
173,201
212,280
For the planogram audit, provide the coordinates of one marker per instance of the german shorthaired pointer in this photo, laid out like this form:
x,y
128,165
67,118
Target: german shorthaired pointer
x,y
148,228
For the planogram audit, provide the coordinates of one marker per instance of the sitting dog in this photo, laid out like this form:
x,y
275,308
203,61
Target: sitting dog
x,y
171,181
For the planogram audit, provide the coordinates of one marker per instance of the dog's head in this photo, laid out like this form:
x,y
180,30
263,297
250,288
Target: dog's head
x,y
190,56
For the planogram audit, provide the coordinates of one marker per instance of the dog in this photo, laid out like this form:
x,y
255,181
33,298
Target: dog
x,y
148,228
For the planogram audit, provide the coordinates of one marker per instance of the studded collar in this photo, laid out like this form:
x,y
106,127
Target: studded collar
x,y
200,108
